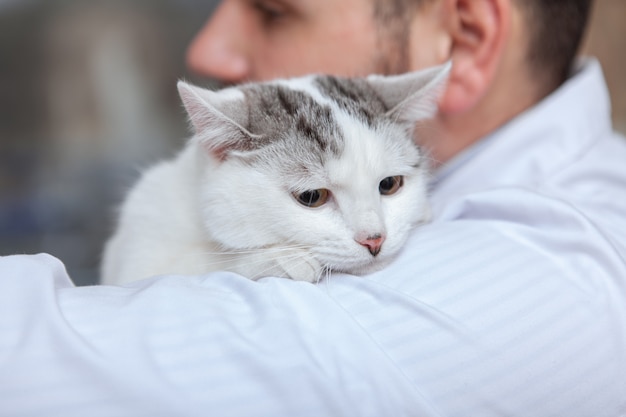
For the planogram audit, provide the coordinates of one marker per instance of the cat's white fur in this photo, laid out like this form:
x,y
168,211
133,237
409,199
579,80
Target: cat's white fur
x,y
200,213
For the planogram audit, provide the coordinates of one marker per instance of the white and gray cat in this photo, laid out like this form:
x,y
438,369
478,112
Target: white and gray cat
x,y
290,178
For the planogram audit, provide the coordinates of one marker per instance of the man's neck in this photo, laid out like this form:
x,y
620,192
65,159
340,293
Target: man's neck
x,y
449,134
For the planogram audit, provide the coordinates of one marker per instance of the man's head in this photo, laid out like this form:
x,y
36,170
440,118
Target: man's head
x,y
555,30
506,54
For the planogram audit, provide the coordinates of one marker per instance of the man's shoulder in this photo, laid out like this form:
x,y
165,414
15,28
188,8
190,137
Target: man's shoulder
x,y
511,232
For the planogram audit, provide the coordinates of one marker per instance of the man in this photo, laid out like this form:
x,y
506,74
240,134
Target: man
x,y
512,302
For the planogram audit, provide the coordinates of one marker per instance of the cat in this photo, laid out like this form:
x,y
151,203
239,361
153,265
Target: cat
x,y
290,178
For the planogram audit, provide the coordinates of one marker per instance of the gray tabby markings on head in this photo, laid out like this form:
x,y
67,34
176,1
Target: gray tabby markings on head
x,y
354,96
280,112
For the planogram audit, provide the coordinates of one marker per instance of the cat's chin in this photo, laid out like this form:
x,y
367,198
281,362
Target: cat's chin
x,y
364,268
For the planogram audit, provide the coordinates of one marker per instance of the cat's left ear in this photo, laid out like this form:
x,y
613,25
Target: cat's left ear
x,y
413,96
218,118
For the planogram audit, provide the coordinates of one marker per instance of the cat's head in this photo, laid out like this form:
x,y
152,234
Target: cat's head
x,y
319,162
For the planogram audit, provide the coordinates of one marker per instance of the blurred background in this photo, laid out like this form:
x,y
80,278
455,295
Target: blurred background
x,y
88,98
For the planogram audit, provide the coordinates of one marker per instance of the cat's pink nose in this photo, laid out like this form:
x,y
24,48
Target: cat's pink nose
x,y
373,243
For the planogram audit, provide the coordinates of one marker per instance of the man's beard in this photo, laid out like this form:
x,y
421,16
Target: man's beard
x,y
392,55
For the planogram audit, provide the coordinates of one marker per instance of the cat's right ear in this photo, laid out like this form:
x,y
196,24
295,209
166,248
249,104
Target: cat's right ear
x,y
413,96
218,118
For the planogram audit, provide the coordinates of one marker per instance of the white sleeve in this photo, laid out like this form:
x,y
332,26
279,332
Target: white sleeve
x,y
476,318
220,345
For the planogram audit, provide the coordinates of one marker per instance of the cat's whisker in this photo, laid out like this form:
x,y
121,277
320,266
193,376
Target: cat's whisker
x,y
267,250
250,261
290,257
284,254
324,273
286,247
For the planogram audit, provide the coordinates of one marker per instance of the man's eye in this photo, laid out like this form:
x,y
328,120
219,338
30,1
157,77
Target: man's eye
x,y
270,12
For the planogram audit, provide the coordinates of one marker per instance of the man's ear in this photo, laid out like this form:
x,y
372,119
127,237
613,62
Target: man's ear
x,y
479,30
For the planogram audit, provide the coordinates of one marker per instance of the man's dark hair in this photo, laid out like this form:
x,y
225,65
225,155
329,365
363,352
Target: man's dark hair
x,y
557,28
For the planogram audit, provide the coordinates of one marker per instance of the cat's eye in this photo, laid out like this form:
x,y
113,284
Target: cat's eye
x,y
391,185
313,198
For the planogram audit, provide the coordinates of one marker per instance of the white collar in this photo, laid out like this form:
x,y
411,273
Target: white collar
x,y
537,143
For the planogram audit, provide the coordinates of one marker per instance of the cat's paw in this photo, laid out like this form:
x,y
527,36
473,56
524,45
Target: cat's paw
x,y
300,266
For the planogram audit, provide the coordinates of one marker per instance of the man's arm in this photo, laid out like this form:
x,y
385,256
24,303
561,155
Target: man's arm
x,y
216,345
475,318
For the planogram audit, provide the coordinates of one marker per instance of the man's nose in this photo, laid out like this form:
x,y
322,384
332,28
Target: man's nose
x,y
219,49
